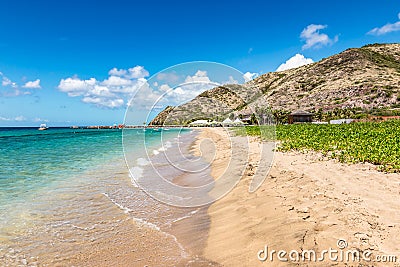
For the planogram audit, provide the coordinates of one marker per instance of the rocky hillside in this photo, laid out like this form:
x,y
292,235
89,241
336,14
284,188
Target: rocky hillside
x,y
363,78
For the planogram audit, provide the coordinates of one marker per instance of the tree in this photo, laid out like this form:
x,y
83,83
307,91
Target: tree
x,y
253,119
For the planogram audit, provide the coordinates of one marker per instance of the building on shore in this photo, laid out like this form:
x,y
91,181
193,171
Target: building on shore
x,y
341,121
300,116
208,123
199,123
227,122
238,122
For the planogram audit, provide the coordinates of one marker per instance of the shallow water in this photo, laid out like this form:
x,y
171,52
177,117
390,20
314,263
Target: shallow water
x,y
67,198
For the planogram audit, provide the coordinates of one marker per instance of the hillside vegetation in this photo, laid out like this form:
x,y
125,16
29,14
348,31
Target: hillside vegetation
x,y
354,82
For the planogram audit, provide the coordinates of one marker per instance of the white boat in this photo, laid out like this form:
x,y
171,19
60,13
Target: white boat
x,y
43,127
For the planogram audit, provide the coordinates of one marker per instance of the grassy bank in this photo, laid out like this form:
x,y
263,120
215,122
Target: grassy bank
x,y
374,142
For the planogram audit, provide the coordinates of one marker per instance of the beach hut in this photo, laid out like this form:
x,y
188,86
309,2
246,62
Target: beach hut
x,y
227,122
238,122
300,116
246,120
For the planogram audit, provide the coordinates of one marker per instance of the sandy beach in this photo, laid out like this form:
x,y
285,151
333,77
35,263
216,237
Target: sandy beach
x,y
307,202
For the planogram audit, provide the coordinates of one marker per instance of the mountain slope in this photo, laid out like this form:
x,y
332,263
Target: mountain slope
x,y
358,78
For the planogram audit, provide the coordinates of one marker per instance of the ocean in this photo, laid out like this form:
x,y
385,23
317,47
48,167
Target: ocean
x,y
67,198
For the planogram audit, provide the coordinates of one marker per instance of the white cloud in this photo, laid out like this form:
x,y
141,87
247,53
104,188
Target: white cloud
x,y
32,84
117,72
390,27
101,91
111,103
199,77
112,92
315,39
75,86
294,62
4,119
121,85
40,120
167,90
20,118
12,89
116,81
187,92
137,72
193,86
147,96
248,76
161,94
231,80
164,87
170,77
5,81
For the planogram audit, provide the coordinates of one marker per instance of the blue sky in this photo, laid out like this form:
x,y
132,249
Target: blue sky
x,y
74,62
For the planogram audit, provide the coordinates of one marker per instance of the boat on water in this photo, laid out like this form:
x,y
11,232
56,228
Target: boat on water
x,y
43,127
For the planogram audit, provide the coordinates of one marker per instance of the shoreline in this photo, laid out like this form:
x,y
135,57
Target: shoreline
x,y
306,202
163,238
98,217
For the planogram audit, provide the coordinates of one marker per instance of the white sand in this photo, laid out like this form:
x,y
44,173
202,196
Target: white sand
x,y
306,202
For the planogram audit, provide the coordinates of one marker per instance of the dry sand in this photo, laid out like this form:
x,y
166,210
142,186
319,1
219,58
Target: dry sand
x,y
306,203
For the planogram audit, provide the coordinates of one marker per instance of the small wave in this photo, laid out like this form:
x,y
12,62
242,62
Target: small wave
x,y
142,162
190,214
168,144
135,173
171,197
137,220
83,228
125,209
150,225
165,146
142,222
60,223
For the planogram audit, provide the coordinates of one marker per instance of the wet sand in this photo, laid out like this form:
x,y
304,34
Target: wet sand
x,y
307,202
89,229
149,232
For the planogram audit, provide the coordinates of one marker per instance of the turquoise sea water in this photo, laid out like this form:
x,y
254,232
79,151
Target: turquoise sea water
x,y
55,182
31,159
